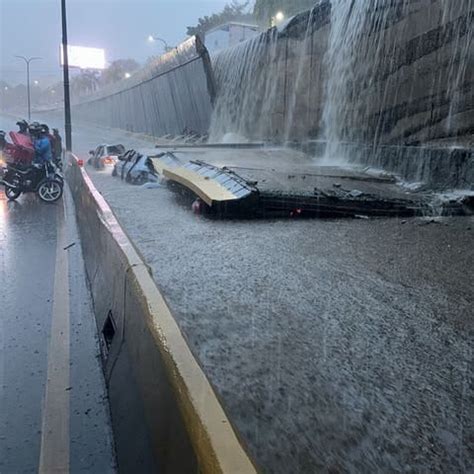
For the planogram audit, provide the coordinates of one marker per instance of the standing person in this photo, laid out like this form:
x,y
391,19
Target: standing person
x,y
58,143
42,144
3,141
50,137
23,127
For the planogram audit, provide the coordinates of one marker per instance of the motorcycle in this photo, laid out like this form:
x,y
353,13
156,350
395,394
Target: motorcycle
x,y
43,179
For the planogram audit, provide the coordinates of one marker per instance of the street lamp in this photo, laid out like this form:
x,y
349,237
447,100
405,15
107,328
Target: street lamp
x,y
279,17
28,61
127,75
153,38
35,83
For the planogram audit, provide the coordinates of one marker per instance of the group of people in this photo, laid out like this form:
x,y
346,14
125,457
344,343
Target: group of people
x,y
48,146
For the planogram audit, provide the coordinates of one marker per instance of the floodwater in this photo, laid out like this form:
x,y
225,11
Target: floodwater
x,y
335,345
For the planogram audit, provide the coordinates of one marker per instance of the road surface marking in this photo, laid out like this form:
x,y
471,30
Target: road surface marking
x,y
54,456
3,271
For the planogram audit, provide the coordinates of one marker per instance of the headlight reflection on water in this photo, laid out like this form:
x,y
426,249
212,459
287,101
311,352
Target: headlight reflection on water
x,y
3,209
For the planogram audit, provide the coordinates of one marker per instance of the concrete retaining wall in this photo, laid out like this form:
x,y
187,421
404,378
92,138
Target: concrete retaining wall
x,y
173,95
165,414
437,167
412,81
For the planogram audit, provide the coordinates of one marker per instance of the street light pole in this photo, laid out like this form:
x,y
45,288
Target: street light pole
x,y
152,38
67,98
28,61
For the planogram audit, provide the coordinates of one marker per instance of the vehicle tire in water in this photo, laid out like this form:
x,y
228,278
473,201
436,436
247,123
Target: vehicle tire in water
x,y
11,193
50,190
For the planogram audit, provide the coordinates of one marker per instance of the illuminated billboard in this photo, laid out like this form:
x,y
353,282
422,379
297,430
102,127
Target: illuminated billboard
x,y
84,58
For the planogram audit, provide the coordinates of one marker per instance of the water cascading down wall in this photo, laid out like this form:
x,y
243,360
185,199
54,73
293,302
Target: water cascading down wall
x,y
386,82
172,96
378,72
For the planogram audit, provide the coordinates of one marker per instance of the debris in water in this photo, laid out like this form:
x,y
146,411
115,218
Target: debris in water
x,y
432,221
151,185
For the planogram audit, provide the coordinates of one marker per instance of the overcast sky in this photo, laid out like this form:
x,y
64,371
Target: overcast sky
x,y
121,27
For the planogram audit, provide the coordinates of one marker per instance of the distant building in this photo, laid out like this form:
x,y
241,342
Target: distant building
x,y
229,34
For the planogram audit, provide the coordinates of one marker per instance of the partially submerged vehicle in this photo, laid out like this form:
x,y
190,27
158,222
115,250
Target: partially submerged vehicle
x,y
142,166
105,155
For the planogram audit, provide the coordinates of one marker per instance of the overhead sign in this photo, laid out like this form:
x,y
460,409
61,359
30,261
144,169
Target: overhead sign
x,y
84,58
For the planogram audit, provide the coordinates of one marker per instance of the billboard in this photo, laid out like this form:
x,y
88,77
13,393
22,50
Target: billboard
x,y
84,58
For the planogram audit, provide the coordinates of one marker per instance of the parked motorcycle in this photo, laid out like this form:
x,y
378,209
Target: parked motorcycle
x,y
45,180
58,163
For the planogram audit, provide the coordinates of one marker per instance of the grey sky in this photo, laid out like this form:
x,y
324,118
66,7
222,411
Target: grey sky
x,y
33,28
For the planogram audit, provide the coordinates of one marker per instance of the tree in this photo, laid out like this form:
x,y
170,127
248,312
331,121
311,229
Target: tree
x,y
151,60
6,93
235,11
53,94
118,69
86,82
264,10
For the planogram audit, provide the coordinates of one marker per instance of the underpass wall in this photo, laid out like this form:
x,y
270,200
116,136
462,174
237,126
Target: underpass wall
x,y
173,95
412,81
165,415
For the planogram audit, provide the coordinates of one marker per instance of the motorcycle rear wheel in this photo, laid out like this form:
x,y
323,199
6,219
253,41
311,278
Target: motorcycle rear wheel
x,y
50,190
12,193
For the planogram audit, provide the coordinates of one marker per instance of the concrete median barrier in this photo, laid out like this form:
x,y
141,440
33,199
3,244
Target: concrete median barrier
x,y
166,415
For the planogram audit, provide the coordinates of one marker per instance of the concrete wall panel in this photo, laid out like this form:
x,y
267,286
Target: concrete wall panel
x,y
413,69
172,95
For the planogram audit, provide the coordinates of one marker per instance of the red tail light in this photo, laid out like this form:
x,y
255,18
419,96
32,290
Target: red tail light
x,y
109,160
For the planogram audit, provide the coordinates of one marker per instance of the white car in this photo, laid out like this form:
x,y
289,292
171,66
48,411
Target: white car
x,y
105,155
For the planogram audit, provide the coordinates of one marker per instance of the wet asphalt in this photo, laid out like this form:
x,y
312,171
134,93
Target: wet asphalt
x,y
29,363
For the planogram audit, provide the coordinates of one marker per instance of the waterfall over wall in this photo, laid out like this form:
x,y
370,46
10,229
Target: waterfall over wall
x,y
380,72
398,72
258,79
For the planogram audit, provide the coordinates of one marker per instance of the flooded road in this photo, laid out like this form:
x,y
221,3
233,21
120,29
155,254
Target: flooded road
x,y
334,345
54,411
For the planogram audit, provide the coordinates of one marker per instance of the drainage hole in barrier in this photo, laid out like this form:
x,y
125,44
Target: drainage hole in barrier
x,y
108,332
